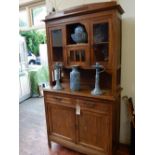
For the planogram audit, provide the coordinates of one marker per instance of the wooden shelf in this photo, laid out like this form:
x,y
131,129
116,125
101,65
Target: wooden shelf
x,y
77,45
84,93
100,43
57,46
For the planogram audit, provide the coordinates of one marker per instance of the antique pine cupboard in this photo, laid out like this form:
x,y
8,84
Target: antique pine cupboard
x,y
94,129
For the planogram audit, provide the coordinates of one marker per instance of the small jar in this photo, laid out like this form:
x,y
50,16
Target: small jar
x,y
75,78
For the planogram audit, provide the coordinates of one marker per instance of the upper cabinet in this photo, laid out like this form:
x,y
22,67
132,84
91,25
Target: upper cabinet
x,y
85,35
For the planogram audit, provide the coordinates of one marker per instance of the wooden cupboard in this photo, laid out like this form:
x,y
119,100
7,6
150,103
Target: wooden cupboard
x,y
78,120
82,123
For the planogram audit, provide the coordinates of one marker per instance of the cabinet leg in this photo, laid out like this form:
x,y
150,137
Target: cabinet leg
x,y
49,143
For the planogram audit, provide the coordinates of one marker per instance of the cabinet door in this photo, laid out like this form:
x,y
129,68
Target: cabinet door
x,y
61,121
78,55
56,44
101,42
77,44
94,130
55,49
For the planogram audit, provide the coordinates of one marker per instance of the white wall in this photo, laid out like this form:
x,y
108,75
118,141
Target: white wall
x,y
128,51
128,64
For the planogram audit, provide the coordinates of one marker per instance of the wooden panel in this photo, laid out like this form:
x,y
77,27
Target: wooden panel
x,y
62,121
82,50
60,100
92,105
86,9
94,130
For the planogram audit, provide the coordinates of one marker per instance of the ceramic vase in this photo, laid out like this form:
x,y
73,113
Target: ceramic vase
x,y
75,79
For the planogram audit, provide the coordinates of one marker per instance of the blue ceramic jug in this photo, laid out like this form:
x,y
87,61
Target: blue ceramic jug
x,y
75,78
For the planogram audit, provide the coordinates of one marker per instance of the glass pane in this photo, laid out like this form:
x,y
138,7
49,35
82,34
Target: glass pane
x,y
101,52
23,19
38,14
100,32
57,45
56,38
71,55
77,55
82,55
57,54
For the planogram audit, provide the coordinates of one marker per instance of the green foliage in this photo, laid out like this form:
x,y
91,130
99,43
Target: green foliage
x,y
33,39
39,76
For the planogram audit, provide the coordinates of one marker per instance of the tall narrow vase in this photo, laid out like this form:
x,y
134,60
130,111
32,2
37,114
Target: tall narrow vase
x,y
75,78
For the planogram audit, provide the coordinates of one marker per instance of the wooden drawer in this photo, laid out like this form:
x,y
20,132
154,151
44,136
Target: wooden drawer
x,y
93,105
59,100
102,106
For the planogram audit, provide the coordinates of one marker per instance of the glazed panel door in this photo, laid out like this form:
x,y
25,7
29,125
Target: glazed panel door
x,y
56,42
101,41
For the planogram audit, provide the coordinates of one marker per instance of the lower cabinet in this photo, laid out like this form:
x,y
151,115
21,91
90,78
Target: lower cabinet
x,y
84,125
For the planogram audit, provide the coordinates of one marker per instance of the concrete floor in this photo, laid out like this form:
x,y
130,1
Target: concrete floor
x,y
32,130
